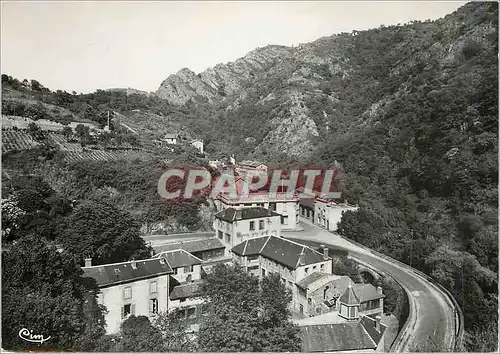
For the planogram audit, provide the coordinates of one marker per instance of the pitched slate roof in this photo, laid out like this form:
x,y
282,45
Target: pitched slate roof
x,y
335,337
312,278
118,273
179,258
369,325
232,214
192,246
280,250
185,290
349,297
367,292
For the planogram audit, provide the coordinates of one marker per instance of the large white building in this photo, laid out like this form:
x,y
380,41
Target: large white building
x,y
292,261
283,203
131,288
328,213
233,226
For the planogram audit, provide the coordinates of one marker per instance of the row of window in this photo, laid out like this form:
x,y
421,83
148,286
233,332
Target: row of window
x,y
129,309
127,291
261,225
314,269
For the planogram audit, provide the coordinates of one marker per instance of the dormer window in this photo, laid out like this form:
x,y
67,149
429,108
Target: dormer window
x,y
134,265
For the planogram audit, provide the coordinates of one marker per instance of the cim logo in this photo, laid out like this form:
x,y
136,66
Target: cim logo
x,y
187,182
28,336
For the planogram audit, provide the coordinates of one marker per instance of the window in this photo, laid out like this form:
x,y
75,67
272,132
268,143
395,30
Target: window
x,y
314,268
188,269
174,270
282,219
289,283
322,267
301,309
263,272
228,238
306,270
152,287
220,234
191,312
127,292
204,310
252,225
153,306
261,224
127,310
272,206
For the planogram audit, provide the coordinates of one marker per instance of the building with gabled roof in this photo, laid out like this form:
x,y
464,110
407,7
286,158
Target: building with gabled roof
x,y
185,266
292,261
131,288
233,226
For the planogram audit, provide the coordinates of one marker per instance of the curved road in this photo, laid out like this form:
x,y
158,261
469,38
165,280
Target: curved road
x,y
432,323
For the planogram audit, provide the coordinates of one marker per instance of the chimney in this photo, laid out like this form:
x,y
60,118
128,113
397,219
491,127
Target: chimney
x,y
325,253
302,258
379,290
88,262
377,323
152,253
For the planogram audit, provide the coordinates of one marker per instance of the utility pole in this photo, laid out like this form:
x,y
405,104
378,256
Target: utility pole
x,y
411,246
109,127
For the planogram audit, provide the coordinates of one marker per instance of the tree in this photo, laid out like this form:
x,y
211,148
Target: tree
x,y
137,334
36,132
96,228
44,292
67,132
245,314
83,133
172,325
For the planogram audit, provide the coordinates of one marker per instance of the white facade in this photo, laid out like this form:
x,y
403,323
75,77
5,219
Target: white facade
x,y
262,266
282,203
238,231
142,297
198,144
328,214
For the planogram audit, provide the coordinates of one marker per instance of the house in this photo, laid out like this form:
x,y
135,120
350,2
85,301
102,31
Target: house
x,y
328,213
210,250
243,167
292,261
171,138
233,226
131,288
185,267
283,203
348,329
197,143
321,292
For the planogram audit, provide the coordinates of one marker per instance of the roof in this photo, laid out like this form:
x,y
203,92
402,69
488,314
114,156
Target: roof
x,y
171,136
336,337
192,246
349,297
280,250
312,278
369,324
117,273
232,214
179,258
367,292
185,290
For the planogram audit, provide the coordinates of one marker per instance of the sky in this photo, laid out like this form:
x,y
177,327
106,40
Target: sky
x,y
84,46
